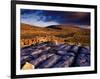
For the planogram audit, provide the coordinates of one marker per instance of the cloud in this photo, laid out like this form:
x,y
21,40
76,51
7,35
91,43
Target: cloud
x,y
46,17
37,20
40,23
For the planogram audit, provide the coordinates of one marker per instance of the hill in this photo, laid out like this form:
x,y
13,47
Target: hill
x,y
56,33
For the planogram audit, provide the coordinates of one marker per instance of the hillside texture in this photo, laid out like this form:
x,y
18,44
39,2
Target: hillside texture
x,y
68,34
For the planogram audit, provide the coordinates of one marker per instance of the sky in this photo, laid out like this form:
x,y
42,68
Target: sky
x,y
43,18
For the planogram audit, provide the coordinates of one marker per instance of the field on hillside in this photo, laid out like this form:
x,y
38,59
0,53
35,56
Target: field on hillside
x,y
59,34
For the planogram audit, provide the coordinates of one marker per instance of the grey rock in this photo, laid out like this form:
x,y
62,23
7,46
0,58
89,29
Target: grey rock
x,y
49,62
50,55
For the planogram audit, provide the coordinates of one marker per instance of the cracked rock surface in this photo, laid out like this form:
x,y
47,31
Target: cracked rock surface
x,y
50,55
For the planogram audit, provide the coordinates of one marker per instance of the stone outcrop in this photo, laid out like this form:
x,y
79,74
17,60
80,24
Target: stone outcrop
x,y
51,55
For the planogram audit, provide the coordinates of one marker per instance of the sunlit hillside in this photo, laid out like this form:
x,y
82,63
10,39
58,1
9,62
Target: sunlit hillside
x,y
70,34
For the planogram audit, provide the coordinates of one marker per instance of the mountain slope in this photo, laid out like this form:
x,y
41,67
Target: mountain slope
x,y
58,33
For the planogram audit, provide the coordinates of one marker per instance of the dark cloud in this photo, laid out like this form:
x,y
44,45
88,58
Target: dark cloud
x,y
61,17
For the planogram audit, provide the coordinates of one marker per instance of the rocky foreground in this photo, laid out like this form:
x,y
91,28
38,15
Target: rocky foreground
x,y
50,55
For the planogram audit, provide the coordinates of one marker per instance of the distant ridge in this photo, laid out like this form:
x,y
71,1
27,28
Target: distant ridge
x,y
67,25
54,27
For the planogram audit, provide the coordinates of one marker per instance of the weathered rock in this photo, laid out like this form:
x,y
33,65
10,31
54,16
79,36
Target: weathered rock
x,y
84,50
62,52
60,47
74,48
26,52
51,55
67,48
40,59
49,62
28,66
83,58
